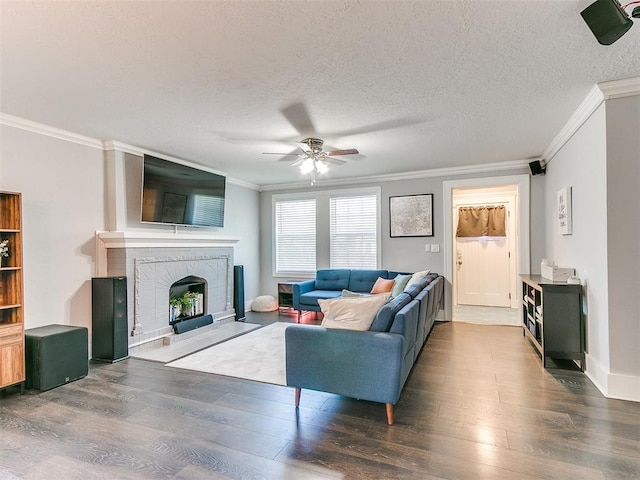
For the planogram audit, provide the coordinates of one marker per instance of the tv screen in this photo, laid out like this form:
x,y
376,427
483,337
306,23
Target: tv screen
x,y
176,194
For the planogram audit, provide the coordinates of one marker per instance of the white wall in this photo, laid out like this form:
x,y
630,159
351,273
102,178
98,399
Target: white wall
x,y
623,231
601,162
62,186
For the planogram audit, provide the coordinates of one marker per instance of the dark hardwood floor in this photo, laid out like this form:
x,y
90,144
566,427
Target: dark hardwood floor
x,y
477,405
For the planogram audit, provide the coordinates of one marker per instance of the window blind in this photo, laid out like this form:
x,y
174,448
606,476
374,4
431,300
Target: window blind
x,y
353,232
295,236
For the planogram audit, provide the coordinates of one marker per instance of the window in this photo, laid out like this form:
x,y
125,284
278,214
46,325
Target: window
x,y
353,232
325,229
295,236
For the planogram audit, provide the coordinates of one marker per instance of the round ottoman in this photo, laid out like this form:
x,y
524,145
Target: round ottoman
x,y
264,303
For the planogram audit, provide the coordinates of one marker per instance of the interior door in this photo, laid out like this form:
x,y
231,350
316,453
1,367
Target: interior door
x,y
483,271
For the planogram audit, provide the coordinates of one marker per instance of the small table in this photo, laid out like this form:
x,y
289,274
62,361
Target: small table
x,y
285,295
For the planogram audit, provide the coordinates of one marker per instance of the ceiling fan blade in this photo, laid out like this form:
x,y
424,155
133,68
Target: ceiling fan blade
x,y
299,118
335,161
377,127
350,151
281,154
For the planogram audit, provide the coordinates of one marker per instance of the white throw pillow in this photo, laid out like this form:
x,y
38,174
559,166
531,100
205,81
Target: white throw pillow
x,y
351,313
416,277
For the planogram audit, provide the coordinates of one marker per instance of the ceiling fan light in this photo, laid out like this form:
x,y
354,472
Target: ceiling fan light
x,y
321,166
307,166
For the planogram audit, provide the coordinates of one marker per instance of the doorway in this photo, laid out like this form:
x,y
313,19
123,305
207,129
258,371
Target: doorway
x,y
482,288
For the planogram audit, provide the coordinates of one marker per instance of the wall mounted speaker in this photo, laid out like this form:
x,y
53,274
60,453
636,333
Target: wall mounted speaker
x,y
607,20
536,168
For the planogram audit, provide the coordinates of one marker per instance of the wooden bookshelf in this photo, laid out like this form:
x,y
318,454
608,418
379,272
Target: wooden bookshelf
x,y
12,360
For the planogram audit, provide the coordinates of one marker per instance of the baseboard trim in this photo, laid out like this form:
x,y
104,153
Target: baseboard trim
x,y
612,385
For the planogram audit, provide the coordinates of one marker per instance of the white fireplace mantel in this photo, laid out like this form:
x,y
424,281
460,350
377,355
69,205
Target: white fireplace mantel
x,y
153,239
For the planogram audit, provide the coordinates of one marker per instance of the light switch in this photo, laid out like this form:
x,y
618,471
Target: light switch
x,y
427,247
435,247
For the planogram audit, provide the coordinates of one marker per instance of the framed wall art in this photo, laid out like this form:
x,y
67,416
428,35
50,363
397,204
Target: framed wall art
x,y
564,210
411,215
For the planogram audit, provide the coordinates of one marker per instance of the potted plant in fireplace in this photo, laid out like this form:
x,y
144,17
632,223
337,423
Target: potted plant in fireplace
x,y
188,304
175,307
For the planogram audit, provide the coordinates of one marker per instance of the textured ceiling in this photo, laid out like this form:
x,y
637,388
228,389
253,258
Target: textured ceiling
x,y
413,85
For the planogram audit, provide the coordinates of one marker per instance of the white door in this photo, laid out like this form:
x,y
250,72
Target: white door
x,y
483,271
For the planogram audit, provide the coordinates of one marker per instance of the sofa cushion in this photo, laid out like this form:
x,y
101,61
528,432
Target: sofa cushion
x,y
333,279
400,282
311,298
382,285
384,317
363,280
351,313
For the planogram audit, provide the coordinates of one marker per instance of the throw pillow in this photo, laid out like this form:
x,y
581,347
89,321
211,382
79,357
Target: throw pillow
x,y
349,293
399,284
351,313
416,277
382,285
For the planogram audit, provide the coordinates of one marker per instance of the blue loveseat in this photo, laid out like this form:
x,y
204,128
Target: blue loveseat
x,y
369,365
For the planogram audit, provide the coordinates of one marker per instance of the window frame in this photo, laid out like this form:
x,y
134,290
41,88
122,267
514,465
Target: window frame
x,y
323,232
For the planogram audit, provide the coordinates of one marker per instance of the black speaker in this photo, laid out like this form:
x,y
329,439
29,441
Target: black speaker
x,y
109,342
607,20
536,167
55,355
238,292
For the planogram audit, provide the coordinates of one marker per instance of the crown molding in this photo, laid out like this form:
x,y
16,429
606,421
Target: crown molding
x,y
435,172
581,115
41,129
626,87
599,93
105,145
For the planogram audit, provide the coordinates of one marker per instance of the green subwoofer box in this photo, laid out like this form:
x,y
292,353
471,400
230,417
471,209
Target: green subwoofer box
x,y
55,355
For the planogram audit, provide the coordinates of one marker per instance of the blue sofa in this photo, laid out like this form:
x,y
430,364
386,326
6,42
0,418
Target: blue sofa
x,y
329,283
368,365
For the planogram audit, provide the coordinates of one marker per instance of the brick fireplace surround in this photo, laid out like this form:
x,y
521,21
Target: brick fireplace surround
x,y
152,262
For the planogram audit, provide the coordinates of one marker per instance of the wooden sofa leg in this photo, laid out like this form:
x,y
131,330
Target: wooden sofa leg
x,y
298,397
389,413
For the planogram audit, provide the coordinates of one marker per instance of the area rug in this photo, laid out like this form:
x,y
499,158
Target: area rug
x,y
258,355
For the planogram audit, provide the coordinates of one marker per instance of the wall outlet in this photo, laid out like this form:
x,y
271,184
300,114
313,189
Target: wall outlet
x,y
435,248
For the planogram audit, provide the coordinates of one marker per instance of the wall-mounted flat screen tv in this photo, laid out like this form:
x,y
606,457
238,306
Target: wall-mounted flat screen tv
x,y
176,194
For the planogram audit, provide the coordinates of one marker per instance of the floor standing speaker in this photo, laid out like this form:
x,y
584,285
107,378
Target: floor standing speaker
x,y
109,341
238,291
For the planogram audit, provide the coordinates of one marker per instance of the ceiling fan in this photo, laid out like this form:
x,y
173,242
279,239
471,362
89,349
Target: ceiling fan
x,y
313,159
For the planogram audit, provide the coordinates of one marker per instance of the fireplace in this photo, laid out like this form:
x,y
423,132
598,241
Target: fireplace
x,y
157,264
187,299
